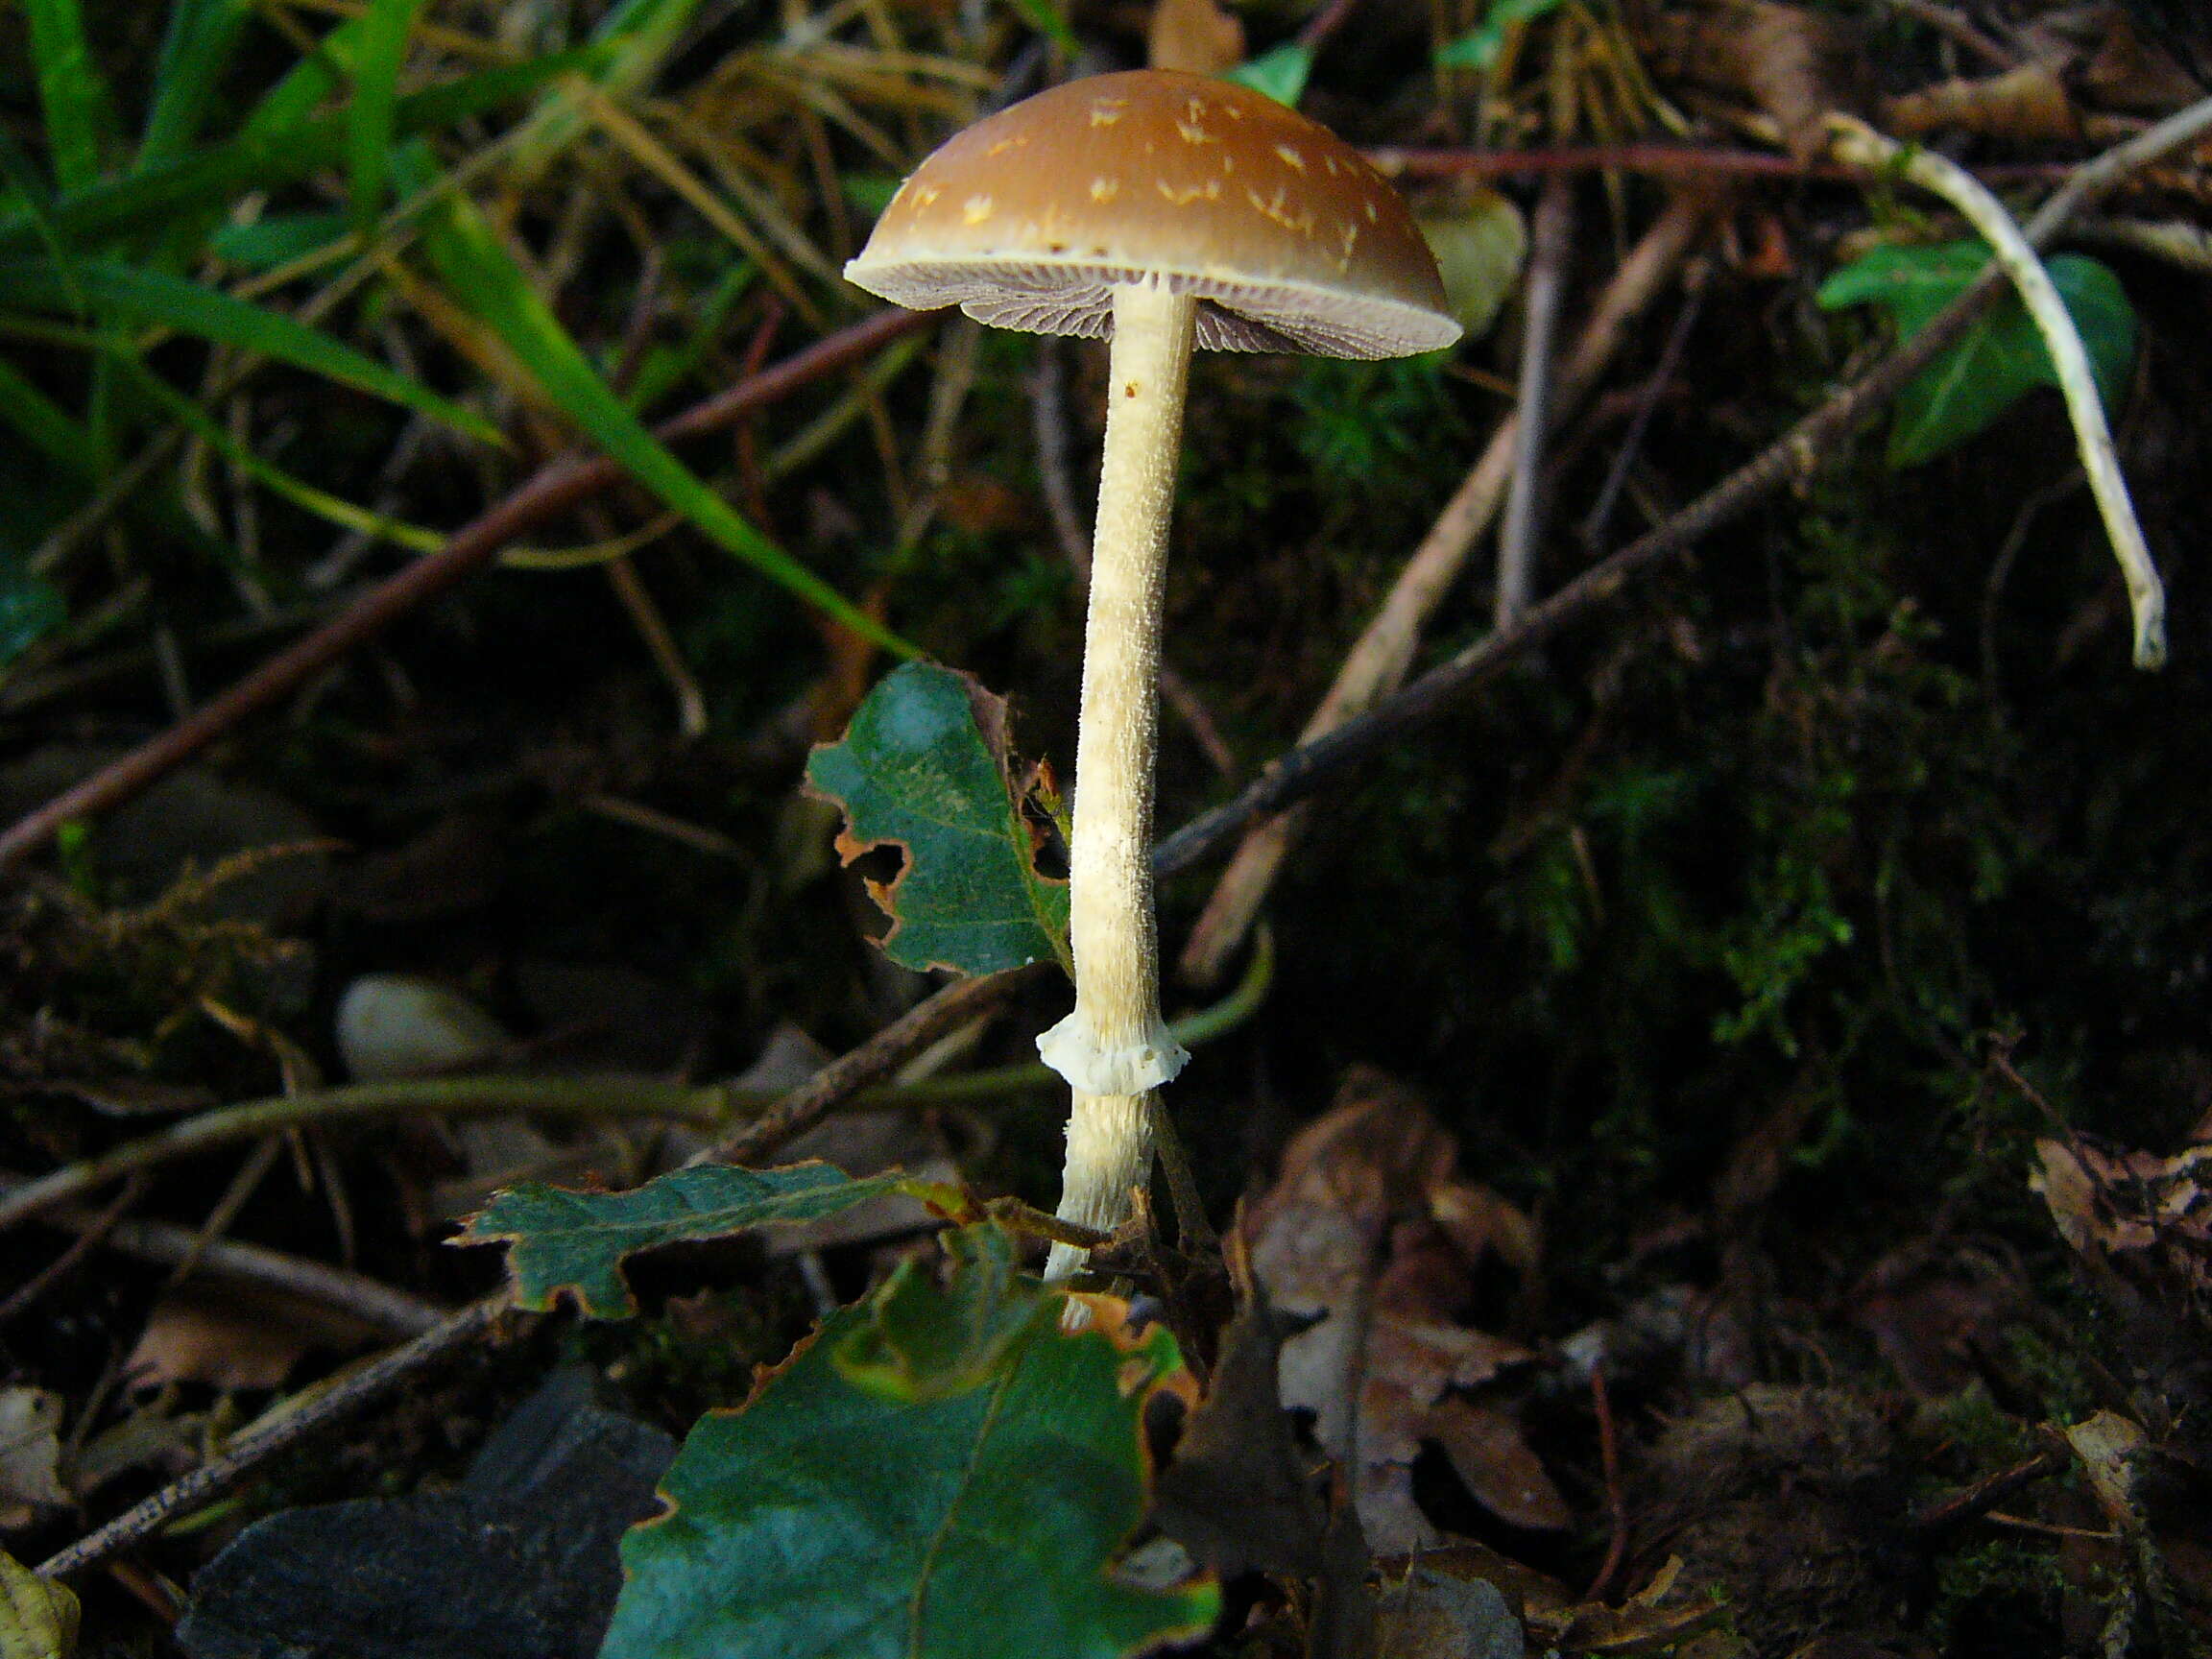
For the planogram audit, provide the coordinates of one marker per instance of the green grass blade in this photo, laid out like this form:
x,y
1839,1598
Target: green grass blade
x,y
484,278
70,91
202,38
665,367
46,426
123,292
376,106
262,160
316,77
18,169
638,37
332,509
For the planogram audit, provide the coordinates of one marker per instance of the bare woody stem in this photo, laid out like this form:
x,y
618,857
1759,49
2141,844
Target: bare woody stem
x,y
1115,1049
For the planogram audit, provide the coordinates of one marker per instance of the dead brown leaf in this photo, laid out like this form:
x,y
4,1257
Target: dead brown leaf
x,y
2101,51
236,1339
1371,1230
1794,63
1935,1320
2026,105
1487,1450
2148,1217
1656,1616
30,1454
1236,1495
1431,1611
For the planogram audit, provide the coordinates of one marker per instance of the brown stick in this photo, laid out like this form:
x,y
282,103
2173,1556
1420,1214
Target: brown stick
x,y
92,1232
1549,249
1615,1506
874,1060
1970,1502
551,491
1684,161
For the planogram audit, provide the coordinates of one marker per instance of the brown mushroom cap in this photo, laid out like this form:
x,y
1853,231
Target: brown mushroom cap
x,y
1291,241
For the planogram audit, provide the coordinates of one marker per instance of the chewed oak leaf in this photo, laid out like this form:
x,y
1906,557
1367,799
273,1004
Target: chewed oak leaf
x,y
924,768
942,1473
560,1241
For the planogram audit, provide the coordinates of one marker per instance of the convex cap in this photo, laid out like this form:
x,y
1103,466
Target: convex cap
x,y
1291,241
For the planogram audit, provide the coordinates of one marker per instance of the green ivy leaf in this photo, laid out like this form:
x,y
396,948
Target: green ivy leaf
x,y
1281,73
2001,357
826,1518
924,768
577,1241
1479,48
1049,20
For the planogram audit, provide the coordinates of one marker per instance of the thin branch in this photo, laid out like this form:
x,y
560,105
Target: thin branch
x,y
871,1062
1973,1502
92,1232
208,1482
358,1102
709,1105
1855,140
1592,530
551,491
1300,772
1688,162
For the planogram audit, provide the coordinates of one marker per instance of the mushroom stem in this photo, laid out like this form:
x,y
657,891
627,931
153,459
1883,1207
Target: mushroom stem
x,y
1115,1049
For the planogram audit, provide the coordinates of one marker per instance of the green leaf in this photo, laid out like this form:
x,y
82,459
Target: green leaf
x,y
1280,73
2001,357
387,25
317,76
577,1241
827,1519
484,278
202,38
70,92
126,291
49,429
924,767
1049,20
923,1341
30,608
1479,241
1479,48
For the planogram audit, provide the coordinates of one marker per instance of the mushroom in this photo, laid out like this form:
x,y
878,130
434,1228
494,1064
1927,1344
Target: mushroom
x,y
1159,210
